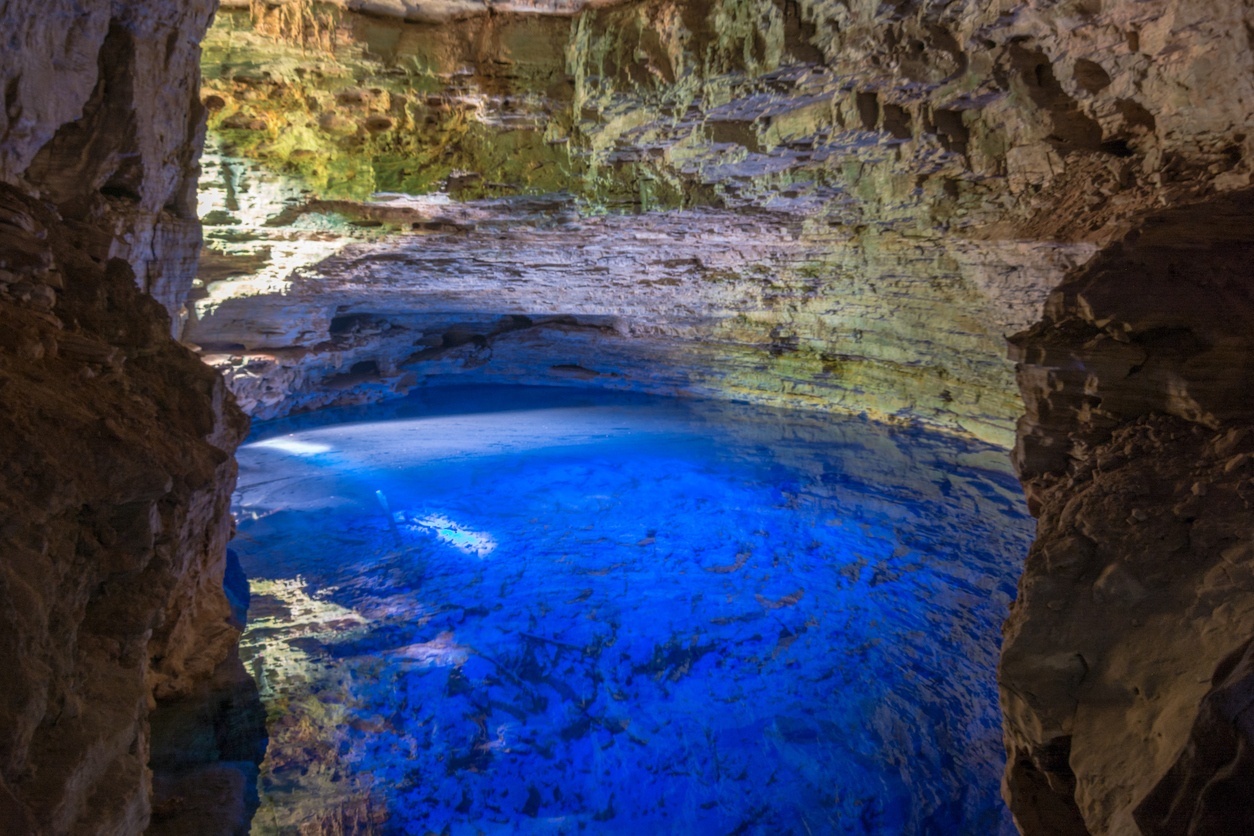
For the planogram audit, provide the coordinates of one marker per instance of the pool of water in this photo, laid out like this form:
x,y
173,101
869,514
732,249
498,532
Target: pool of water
x,y
506,609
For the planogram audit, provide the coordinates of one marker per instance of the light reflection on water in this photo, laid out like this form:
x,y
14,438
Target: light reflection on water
x,y
625,615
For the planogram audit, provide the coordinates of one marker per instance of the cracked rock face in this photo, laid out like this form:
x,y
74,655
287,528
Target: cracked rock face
x,y
807,205
117,442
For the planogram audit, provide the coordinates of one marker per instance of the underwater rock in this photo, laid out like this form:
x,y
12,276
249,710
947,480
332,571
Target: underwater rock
x,y
594,666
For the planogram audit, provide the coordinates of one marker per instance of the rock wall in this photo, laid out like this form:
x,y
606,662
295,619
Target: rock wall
x,y
749,304
1136,452
728,212
117,441
102,118
856,202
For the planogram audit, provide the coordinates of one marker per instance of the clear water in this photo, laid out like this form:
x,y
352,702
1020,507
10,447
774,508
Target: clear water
x,y
616,614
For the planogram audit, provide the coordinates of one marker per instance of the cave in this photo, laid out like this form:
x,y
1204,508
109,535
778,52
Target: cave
x,y
695,416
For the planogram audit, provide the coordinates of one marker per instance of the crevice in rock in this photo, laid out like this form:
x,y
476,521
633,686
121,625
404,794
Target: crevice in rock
x,y
1071,129
868,110
100,150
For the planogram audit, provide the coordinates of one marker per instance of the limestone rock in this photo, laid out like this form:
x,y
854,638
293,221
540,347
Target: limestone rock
x,y
826,204
117,442
1133,452
525,290
102,116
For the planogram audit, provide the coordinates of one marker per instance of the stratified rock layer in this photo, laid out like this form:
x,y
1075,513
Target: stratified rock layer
x,y
756,305
819,206
116,441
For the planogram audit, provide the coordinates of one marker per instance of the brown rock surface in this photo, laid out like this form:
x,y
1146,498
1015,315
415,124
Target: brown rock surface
x,y
1135,453
116,483
116,442
1205,789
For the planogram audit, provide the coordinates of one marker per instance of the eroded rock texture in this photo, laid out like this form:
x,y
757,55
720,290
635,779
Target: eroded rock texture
x,y
1137,451
101,118
810,204
116,441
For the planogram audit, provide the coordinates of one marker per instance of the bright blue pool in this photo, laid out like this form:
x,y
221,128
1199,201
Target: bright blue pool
x,y
616,614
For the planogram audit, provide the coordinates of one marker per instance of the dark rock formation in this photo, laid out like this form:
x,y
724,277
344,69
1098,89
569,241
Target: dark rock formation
x,y
1136,452
1206,789
117,479
116,441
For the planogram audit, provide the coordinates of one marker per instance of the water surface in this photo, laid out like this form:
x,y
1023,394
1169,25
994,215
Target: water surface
x,y
605,613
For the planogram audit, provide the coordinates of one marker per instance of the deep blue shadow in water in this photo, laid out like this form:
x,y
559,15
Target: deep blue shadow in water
x,y
619,614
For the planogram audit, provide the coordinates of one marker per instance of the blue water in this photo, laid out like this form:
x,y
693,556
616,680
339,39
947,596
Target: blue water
x,y
614,614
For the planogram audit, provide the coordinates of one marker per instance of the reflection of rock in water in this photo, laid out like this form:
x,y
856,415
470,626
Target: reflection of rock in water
x,y
694,617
